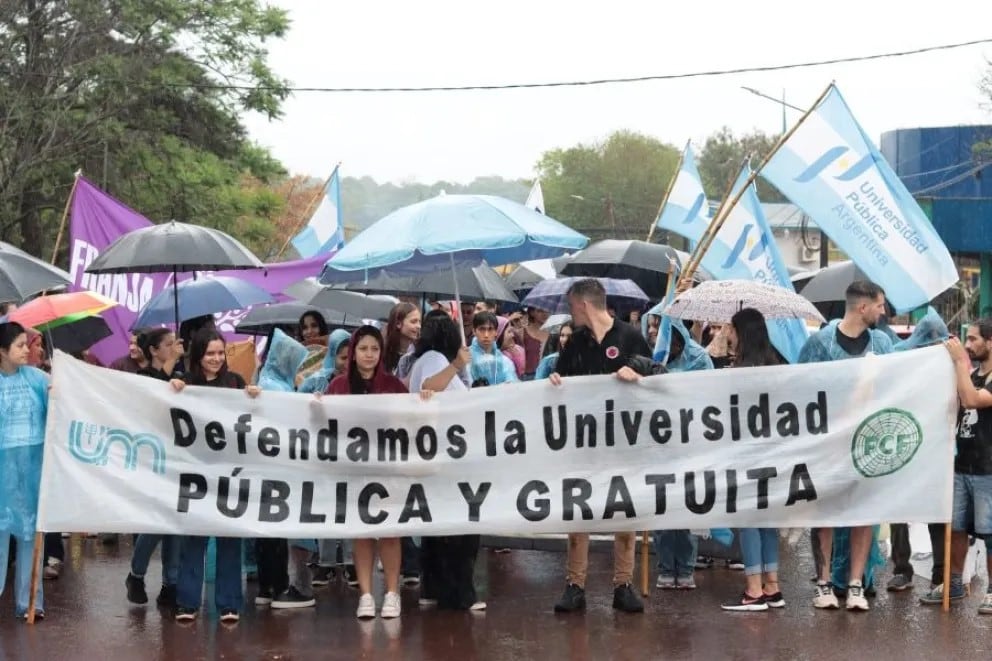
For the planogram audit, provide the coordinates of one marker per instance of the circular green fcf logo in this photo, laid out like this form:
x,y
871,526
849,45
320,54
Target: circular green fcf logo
x,y
885,442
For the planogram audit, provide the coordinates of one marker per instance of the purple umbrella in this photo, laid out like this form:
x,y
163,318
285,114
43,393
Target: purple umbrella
x,y
552,295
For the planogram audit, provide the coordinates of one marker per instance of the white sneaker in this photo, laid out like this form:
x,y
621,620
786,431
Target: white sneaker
x,y
366,607
825,597
390,606
478,606
856,600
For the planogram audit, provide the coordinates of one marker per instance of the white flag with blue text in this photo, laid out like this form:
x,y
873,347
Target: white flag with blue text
x,y
686,211
745,249
324,232
833,171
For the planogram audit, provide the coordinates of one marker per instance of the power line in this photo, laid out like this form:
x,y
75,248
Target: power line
x,y
593,82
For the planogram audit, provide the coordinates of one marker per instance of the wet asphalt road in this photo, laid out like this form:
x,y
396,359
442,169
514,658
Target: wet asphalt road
x,y
89,618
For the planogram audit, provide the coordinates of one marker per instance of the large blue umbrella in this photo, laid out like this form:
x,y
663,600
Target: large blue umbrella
x,y
451,231
200,297
552,295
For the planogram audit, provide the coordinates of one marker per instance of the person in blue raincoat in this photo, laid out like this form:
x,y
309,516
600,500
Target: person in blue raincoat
x,y
556,342
23,409
676,549
850,556
319,380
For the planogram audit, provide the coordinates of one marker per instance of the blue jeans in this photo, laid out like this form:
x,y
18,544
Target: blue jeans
x,y
227,587
972,510
676,551
145,545
759,546
22,573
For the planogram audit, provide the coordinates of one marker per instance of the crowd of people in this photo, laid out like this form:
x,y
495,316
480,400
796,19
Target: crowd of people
x,y
422,352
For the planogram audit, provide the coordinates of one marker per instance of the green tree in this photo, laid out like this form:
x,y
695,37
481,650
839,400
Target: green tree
x,y
144,96
609,189
721,158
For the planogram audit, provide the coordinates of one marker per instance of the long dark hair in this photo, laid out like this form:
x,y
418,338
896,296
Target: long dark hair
x,y
394,335
355,381
553,345
440,333
754,348
151,340
321,324
9,332
198,349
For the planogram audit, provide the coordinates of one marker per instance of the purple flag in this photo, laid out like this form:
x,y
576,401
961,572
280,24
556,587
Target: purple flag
x,y
98,220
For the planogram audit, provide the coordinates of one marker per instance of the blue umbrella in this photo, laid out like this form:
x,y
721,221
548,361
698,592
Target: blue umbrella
x,y
552,295
200,297
451,231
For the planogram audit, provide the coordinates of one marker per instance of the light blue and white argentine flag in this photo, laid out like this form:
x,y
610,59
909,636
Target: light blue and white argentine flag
x,y
831,169
324,232
745,249
686,211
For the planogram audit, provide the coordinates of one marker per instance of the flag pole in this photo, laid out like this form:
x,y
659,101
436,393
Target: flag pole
x,y
65,215
307,212
707,240
668,192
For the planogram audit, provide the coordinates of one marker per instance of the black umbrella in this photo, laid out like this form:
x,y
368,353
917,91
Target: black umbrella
x,y
480,283
645,263
79,335
352,303
827,288
522,279
22,275
263,318
175,247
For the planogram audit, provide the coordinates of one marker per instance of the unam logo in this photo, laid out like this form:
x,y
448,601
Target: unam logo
x,y
817,167
91,444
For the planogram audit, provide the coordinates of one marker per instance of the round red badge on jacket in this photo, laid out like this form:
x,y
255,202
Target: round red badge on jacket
x,y
612,353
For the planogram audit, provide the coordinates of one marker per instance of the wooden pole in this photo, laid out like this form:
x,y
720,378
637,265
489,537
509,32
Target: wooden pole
x,y
946,605
645,570
65,215
707,240
39,543
306,213
668,192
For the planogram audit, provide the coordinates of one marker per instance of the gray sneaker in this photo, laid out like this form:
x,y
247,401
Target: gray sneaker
x,y
665,582
899,582
936,595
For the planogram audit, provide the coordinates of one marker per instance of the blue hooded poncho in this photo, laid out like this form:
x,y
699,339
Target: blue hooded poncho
x,y
693,357
23,410
282,362
319,380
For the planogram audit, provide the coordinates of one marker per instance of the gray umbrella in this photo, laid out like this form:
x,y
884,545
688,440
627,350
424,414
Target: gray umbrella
x,y
522,279
827,288
263,318
480,283
645,263
351,303
22,275
175,247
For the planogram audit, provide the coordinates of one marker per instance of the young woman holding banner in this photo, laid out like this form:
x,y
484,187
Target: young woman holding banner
x,y
747,337
23,408
208,367
448,562
163,354
366,375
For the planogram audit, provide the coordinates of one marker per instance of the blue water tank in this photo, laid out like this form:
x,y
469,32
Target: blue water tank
x,y
941,162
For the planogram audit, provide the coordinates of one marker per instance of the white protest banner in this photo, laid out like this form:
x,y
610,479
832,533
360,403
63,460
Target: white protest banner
x,y
844,443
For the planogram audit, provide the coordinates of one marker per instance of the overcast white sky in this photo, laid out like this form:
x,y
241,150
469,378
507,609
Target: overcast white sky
x,y
459,135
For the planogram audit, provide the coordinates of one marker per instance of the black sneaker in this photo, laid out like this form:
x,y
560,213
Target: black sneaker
x,y
410,580
136,589
746,603
351,576
775,600
292,598
185,614
624,599
573,599
167,596
229,616
264,597
322,576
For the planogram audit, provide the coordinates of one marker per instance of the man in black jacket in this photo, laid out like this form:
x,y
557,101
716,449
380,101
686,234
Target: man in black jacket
x,y
600,345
